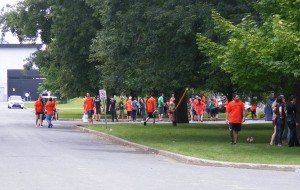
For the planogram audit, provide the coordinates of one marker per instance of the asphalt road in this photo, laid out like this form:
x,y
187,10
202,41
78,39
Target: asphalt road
x,y
63,158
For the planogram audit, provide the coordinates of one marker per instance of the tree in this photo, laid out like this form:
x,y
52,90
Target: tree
x,y
66,27
259,57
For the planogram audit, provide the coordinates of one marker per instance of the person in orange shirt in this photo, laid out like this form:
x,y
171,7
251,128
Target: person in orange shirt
x,y
39,111
253,111
217,108
89,107
151,109
235,116
50,110
199,109
129,108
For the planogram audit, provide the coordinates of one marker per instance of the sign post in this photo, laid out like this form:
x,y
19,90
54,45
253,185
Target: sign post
x,y
102,94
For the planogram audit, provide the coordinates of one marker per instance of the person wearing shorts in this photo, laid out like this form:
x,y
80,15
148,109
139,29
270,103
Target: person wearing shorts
x,y
150,106
39,111
161,106
235,116
89,107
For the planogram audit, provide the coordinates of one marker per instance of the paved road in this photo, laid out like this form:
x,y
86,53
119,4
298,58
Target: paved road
x,y
63,158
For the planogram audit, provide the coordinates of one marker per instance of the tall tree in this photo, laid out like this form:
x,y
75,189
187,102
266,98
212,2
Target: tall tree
x,y
260,55
66,27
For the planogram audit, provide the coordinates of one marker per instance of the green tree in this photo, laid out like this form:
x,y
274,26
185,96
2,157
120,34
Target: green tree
x,y
259,57
67,28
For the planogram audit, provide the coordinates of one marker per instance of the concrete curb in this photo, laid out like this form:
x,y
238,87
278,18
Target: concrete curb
x,y
188,159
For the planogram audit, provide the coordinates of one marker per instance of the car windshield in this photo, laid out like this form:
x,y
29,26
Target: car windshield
x,y
15,98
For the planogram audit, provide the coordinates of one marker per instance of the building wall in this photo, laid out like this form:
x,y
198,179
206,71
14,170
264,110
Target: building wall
x,y
12,56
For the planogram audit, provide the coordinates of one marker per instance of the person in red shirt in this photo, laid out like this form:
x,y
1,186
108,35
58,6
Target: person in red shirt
x,y
235,116
39,111
89,107
50,111
253,111
151,109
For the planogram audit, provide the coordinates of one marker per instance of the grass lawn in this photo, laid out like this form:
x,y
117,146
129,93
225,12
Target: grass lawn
x,y
208,141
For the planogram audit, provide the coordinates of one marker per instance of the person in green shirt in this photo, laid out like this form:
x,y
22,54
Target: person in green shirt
x,y
160,105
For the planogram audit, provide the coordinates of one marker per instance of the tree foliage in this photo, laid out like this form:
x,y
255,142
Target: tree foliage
x,y
66,27
259,54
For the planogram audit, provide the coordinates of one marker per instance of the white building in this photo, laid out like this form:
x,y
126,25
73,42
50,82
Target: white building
x,y
12,56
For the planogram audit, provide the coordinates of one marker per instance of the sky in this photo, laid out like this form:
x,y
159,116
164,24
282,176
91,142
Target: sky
x,y
8,36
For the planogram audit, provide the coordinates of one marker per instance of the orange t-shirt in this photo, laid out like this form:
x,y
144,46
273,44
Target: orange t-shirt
x,y
50,107
129,105
253,108
199,107
151,104
39,106
89,104
235,110
216,102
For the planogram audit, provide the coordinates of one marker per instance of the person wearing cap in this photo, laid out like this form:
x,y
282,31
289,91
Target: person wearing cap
x,y
235,116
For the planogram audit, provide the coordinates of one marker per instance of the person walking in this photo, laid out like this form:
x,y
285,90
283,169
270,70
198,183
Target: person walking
x,y
39,111
112,109
235,116
89,107
50,111
151,109
291,113
161,107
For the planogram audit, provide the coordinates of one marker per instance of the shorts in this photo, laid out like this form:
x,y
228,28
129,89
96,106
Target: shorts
x,y
98,111
39,113
217,110
90,113
161,110
235,126
129,113
151,114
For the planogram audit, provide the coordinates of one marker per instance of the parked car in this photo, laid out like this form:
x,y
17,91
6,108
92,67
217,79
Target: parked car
x,y
15,101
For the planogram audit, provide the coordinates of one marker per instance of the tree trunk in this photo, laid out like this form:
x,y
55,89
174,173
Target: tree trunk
x,y
181,112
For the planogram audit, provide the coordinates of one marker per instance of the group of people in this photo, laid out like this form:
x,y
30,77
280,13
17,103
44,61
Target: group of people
x,y
284,121
133,106
198,105
42,109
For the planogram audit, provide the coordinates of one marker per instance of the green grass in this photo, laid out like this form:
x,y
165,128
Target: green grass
x,y
208,141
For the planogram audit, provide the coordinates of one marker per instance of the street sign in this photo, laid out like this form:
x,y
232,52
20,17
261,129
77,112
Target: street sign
x,y
102,94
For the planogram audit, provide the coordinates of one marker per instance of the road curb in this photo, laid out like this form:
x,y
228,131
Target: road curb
x,y
188,159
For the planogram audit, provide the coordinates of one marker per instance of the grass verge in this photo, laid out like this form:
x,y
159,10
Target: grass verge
x,y
208,141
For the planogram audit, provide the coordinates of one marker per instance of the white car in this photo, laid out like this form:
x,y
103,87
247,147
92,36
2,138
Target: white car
x,y
15,101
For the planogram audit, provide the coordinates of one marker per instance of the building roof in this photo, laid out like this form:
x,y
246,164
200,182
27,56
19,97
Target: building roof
x,y
36,46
